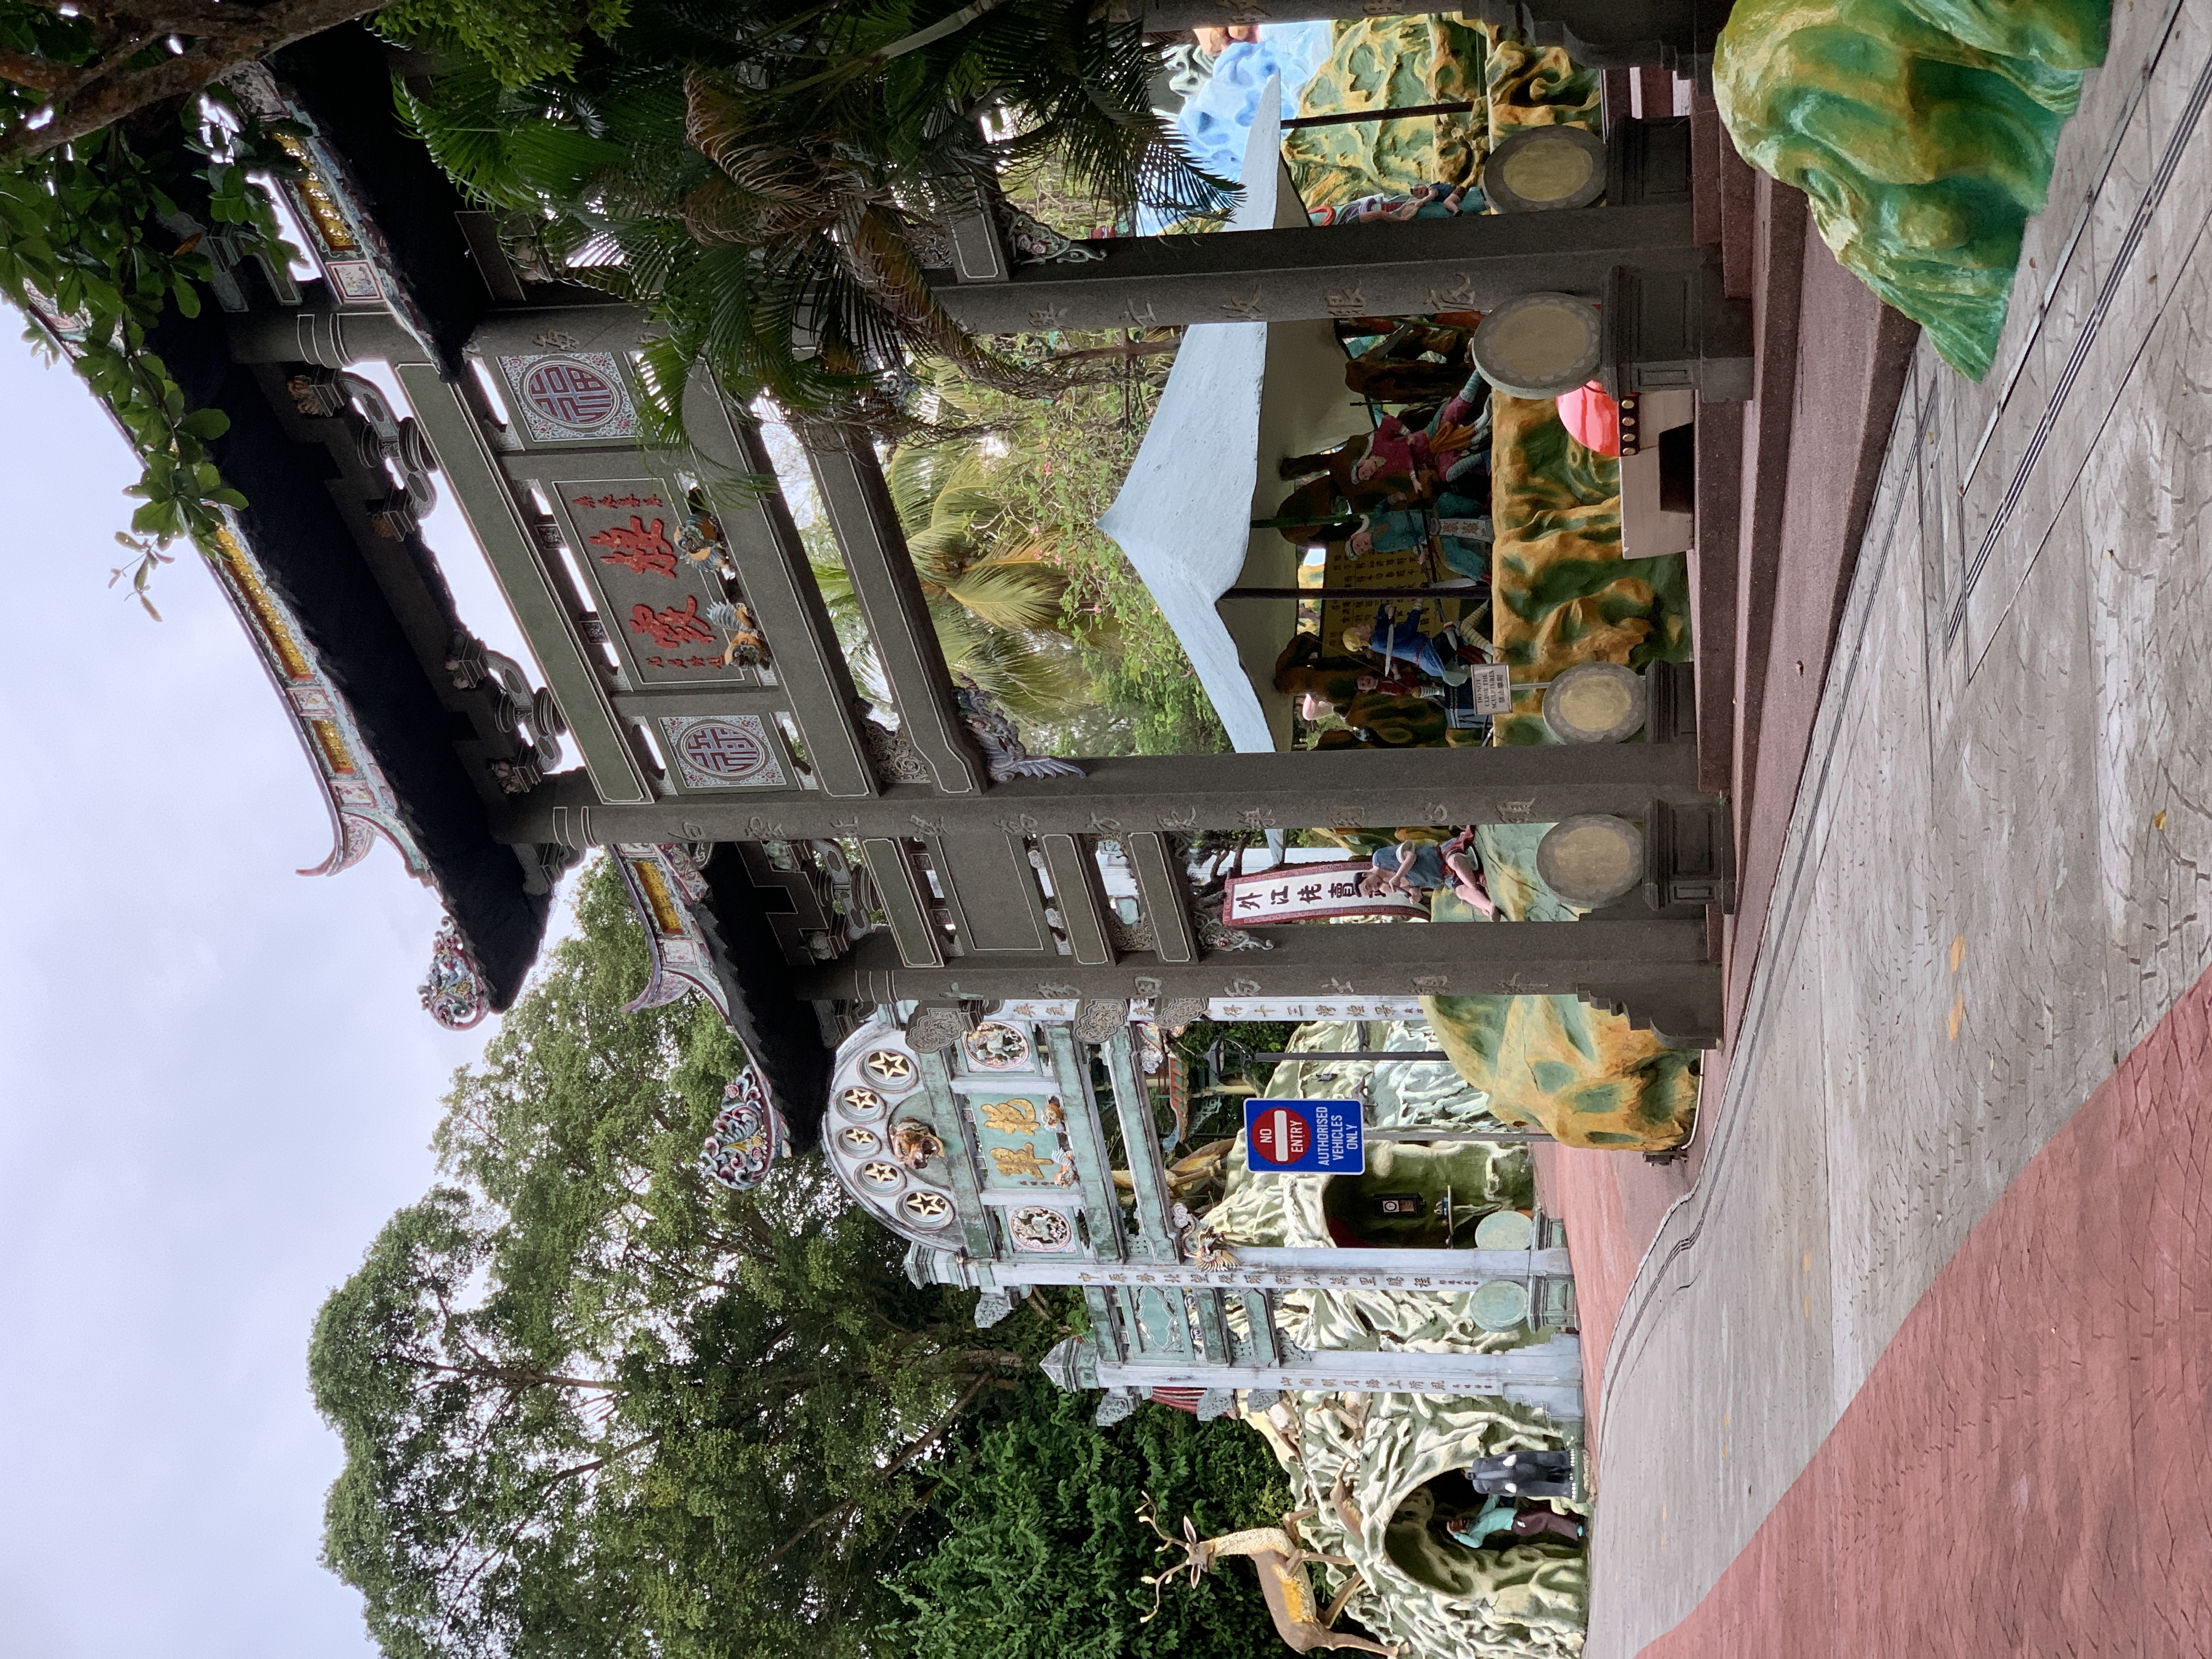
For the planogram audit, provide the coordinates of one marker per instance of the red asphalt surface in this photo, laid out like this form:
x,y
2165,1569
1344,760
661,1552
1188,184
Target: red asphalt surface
x,y
2028,1469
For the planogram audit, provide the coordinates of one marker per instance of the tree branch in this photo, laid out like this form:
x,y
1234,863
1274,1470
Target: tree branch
x,y
997,1358
272,27
40,74
512,1376
913,1450
537,1500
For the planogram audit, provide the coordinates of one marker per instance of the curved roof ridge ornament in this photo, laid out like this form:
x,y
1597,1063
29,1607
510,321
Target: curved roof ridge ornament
x,y
454,993
664,883
351,840
362,803
747,1136
1004,755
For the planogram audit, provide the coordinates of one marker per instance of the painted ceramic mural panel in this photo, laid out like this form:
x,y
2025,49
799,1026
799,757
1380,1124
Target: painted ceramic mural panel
x,y
354,281
1040,1229
1018,1140
995,1046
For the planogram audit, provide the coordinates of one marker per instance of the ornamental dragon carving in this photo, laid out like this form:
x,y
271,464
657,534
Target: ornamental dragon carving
x,y
1004,755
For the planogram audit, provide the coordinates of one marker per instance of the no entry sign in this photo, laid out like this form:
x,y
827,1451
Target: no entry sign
x,y
1318,1137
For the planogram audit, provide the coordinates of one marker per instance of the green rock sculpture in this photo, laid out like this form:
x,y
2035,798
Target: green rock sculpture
x,y
1923,134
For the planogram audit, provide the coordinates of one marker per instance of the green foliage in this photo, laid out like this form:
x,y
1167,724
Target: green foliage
x,y
39,33
1029,599
81,239
520,40
1045,1555
1032,673
753,174
947,509
593,1404
1238,1038
1059,463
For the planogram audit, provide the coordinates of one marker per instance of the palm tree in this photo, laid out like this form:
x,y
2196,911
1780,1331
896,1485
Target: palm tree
x,y
759,177
998,615
949,515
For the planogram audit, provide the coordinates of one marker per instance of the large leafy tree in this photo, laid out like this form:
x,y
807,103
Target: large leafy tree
x,y
762,175
69,70
1044,1553
593,1404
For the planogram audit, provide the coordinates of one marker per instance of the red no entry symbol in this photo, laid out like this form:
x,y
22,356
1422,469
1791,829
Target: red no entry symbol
x,y
1281,1135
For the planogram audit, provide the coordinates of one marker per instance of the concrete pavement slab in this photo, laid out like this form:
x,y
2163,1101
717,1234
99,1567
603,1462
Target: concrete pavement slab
x,y
1991,889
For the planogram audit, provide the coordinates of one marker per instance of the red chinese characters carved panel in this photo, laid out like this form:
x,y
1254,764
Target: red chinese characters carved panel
x,y
674,619
640,550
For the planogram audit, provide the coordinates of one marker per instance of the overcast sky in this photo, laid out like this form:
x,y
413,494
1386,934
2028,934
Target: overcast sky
x,y
215,1083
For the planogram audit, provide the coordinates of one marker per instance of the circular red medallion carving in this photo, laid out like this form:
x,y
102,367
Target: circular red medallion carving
x,y
570,393
721,748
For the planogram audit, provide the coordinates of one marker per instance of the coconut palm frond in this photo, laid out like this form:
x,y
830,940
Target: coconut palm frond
x,y
843,604
463,123
1090,108
838,596
916,476
1035,676
941,552
886,265
514,149
1018,597
966,503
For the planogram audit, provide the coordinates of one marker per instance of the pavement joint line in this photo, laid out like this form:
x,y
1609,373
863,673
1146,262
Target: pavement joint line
x,y
2073,240
2093,324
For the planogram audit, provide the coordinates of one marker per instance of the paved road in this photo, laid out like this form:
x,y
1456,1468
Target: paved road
x,y
1992,891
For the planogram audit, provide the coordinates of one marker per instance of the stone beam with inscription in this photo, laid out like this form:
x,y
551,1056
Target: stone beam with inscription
x,y
1299,1270
1468,264
1655,971
1329,789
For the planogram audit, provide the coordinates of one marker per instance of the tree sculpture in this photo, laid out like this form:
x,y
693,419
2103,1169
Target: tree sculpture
x,y
1281,1558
